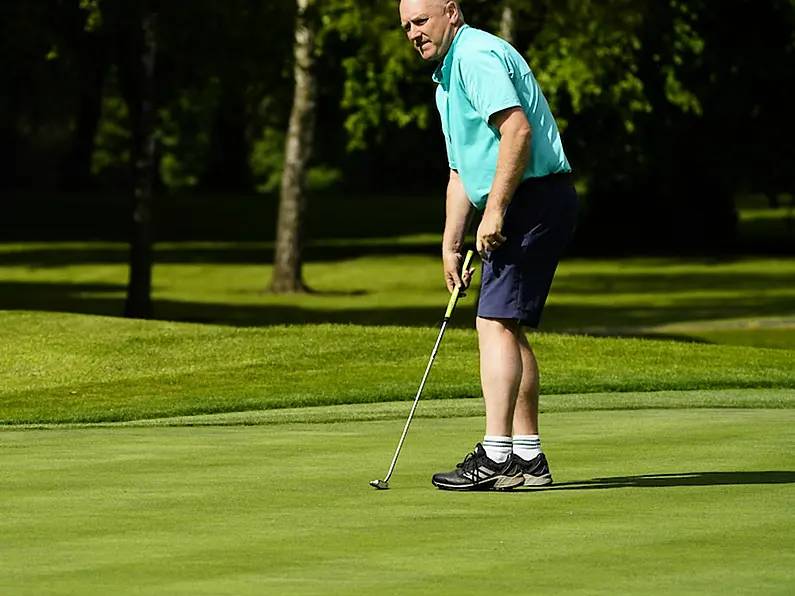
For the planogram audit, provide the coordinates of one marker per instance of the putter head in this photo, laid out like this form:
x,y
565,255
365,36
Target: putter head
x,y
380,484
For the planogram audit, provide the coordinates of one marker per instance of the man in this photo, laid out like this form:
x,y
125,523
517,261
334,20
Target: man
x,y
507,162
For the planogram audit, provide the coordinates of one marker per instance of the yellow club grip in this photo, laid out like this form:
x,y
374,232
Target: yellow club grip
x,y
456,291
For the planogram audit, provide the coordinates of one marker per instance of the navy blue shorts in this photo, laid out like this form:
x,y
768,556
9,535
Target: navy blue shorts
x,y
538,224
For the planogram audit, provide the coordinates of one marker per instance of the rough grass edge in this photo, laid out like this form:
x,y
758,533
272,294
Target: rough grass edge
x,y
454,408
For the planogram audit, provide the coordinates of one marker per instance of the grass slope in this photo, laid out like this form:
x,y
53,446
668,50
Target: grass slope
x,y
457,408
70,368
646,502
397,282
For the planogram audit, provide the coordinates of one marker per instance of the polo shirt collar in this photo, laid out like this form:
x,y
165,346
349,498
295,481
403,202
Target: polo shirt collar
x,y
442,72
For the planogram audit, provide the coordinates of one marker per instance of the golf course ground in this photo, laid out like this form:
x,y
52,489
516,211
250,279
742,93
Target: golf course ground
x,y
227,446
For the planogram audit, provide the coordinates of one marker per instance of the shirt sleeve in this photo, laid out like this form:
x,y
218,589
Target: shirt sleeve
x,y
487,82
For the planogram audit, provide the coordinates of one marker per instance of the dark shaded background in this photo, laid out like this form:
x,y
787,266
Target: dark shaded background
x,y
716,123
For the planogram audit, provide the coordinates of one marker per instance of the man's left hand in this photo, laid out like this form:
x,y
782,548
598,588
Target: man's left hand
x,y
489,237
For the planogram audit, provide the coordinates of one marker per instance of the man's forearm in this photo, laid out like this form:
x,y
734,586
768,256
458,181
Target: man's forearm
x,y
511,163
459,212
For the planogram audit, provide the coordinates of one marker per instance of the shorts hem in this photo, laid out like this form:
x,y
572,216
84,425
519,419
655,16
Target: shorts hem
x,y
532,321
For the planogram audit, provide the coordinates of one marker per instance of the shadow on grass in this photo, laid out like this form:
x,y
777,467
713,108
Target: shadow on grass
x,y
683,479
600,320
661,282
107,299
222,254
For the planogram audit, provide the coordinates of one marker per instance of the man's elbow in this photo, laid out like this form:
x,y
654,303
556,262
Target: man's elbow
x,y
513,123
521,130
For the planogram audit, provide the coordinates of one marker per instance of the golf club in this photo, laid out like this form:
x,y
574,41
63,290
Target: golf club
x,y
384,484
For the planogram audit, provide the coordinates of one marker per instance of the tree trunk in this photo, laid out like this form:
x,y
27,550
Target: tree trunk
x,y
300,134
139,288
507,24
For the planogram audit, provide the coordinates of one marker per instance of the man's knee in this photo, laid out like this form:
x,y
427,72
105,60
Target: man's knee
x,y
485,325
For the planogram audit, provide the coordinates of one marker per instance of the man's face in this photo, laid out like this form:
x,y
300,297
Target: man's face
x,y
430,26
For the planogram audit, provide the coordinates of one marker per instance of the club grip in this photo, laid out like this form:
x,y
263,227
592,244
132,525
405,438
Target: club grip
x,y
457,291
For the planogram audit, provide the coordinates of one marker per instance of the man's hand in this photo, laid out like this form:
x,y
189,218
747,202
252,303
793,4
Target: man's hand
x,y
489,237
452,272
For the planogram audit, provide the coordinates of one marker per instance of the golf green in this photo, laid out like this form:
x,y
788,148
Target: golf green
x,y
645,501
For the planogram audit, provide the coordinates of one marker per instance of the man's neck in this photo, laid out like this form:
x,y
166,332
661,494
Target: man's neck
x,y
456,29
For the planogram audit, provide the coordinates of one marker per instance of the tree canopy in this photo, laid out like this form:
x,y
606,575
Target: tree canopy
x,y
668,109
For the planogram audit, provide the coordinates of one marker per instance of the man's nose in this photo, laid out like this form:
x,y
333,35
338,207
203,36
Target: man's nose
x,y
414,33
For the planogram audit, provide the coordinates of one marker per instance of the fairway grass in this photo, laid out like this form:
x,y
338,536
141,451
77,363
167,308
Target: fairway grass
x,y
645,502
397,281
75,368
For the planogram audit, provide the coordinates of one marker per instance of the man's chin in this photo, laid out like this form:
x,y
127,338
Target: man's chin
x,y
429,54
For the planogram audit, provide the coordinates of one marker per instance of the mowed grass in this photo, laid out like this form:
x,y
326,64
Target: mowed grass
x,y
397,281
226,448
645,502
77,368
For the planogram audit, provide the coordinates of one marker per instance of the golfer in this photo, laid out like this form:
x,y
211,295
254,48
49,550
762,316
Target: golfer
x,y
507,163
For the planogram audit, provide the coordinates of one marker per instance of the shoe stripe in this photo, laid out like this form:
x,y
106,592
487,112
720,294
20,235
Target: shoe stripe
x,y
499,482
482,473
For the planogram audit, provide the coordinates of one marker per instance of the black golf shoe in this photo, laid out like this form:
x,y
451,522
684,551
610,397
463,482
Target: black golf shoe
x,y
536,471
478,472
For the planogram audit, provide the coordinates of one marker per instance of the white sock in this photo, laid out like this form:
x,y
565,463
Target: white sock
x,y
527,446
498,449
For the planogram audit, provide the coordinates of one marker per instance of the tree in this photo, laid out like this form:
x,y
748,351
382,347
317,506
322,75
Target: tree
x,y
139,287
287,276
507,24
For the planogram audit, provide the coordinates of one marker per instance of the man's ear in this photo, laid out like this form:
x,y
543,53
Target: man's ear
x,y
452,10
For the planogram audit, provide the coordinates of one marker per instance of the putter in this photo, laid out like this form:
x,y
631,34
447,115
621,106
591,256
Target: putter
x,y
384,484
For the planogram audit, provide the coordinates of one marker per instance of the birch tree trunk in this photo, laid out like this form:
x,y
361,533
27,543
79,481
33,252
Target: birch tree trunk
x,y
507,24
139,288
290,239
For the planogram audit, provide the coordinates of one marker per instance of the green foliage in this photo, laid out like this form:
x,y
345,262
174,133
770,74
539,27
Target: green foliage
x,y
588,53
378,71
184,135
324,178
686,46
267,159
267,164
651,84
585,54
94,17
112,144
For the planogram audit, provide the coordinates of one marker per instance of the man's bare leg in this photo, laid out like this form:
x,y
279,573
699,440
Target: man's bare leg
x,y
526,443
500,376
525,416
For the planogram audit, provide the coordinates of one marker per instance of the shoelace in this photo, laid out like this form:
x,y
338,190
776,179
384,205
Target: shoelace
x,y
470,466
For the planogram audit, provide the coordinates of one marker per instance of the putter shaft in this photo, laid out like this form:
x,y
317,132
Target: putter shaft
x,y
448,313
416,401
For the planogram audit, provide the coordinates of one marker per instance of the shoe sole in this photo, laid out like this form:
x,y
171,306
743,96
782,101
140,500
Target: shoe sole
x,y
498,483
543,480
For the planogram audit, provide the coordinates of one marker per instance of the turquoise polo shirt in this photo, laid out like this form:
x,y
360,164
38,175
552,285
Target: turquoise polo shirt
x,y
479,76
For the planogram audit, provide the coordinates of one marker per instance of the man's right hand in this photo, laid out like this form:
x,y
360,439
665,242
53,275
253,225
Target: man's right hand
x,y
452,272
